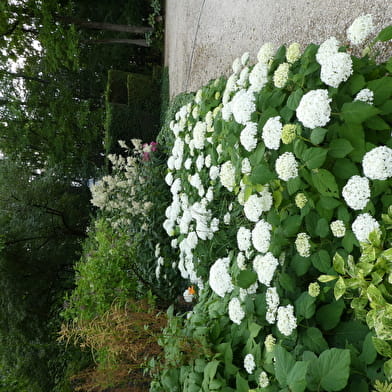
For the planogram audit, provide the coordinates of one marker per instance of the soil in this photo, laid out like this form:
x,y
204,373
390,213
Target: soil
x,y
203,37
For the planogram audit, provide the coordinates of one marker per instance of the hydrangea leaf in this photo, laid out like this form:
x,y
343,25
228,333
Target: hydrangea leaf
x,y
340,288
314,157
321,260
246,278
345,168
335,369
339,148
322,228
284,362
328,316
294,99
318,134
382,89
377,123
325,183
241,384
261,174
369,353
357,112
338,264
300,264
382,347
313,340
356,83
384,35
305,306
296,379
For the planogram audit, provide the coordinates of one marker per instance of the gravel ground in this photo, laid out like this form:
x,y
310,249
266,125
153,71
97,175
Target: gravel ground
x,y
203,37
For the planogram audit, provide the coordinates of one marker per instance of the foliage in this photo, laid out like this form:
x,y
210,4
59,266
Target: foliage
x,y
121,340
155,20
261,174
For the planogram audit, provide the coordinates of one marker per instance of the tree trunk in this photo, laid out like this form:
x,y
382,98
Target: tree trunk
x,y
139,42
106,26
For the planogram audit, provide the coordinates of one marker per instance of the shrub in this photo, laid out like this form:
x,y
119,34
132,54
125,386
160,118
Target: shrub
x,y
280,214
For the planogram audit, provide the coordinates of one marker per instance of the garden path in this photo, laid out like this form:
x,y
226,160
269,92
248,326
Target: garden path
x,y
204,36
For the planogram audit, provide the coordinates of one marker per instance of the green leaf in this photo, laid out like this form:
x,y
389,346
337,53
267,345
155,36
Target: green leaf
x,y
369,353
384,35
314,157
335,369
313,340
300,264
254,330
345,168
318,134
241,384
339,148
256,157
296,379
299,148
321,261
328,203
328,316
287,282
338,264
246,278
261,174
293,185
340,288
322,228
325,183
284,362
355,134
375,297
327,278
388,369
305,305
294,99
382,347
382,89
291,225
357,112
356,83
377,123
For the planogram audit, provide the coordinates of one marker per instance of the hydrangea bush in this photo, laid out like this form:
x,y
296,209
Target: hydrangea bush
x,y
281,190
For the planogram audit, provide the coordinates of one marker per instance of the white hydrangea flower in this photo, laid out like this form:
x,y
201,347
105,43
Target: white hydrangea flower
x,y
263,380
300,200
363,225
258,77
302,244
236,66
249,363
266,53
246,168
377,163
293,53
265,267
241,261
281,75
220,279
248,136
255,205
261,236
336,69
188,163
227,175
199,132
243,79
286,166
314,109
272,132
314,289
199,162
269,343
272,299
226,218
287,321
226,111
242,106
210,194
214,172
356,192
249,291
207,161
365,95
243,238
327,49
169,178
361,28
236,312
245,58
338,228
